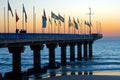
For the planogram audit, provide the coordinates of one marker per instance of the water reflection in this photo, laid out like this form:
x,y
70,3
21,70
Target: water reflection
x,y
54,73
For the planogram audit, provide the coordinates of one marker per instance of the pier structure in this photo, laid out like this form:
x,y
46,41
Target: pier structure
x,y
16,42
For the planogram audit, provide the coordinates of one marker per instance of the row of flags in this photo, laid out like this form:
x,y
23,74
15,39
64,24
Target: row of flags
x,y
58,18
17,18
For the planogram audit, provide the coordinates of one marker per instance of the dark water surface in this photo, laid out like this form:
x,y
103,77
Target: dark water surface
x,y
106,57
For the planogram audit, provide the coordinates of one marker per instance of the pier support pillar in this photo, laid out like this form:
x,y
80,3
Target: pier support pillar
x,y
37,56
0,76
72,51
51,55
90,49
16,58
16,73
85,50
63,53
79,51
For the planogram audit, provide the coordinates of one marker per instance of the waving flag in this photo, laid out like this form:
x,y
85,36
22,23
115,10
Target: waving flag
x,y
61,18
9,8
53,15
25,14
44,19
87,23
76,25
17,18
44,15
44,22
25,17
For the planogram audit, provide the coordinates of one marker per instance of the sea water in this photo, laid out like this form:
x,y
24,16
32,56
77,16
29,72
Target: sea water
x,y
106,57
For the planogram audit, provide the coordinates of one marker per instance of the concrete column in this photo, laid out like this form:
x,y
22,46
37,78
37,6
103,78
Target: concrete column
x,y
37,56
79,51
72,51
0,76
51,55
85,50
63,53
90,49
16,58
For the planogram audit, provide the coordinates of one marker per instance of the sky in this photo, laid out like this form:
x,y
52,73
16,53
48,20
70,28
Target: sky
x,y
105,12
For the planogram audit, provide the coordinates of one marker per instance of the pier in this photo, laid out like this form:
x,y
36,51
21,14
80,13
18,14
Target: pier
x,y
16,42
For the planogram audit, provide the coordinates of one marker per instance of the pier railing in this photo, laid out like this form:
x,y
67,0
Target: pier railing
x,y
29,38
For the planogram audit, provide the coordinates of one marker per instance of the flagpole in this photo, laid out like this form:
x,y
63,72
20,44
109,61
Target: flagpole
x,y
8,18
69,29
51,25
58,26
81,26
35,23
26,26
79,29
23,19
54,25
74,25
64,23
84,29
33,19
74,30
4,21
48,26
15,19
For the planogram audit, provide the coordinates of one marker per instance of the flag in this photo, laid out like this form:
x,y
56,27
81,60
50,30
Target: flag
x,y
53,15
24,9
9,8
44,19
17,18
61,18
44,14
69,22
25,14
44,22
50,21
87,23
76,25
25,17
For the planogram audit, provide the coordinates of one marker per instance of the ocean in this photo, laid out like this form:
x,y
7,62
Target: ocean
x,y
106,57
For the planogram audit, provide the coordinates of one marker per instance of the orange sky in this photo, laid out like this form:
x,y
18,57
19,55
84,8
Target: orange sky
x,y
105,11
